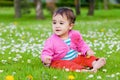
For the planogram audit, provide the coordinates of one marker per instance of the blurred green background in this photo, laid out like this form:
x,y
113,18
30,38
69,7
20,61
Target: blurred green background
x,y
23,7
26,24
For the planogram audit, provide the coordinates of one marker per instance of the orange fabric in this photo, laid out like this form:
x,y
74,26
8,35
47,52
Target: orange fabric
x,y
76,64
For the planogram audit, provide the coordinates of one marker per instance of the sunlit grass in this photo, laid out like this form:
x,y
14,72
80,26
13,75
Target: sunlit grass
x,y
21,42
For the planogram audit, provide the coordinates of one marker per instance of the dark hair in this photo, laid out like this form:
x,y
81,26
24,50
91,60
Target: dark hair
x,y
66,11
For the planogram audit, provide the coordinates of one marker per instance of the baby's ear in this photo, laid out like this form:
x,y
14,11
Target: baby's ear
x,y
71,26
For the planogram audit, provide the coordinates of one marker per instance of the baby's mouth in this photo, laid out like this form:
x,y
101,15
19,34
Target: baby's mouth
x,y
58,30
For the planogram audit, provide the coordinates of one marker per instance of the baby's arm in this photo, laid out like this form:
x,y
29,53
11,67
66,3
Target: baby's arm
x,y
88,53
47,52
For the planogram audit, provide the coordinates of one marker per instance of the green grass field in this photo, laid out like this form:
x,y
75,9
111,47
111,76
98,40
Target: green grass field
x,y
21,42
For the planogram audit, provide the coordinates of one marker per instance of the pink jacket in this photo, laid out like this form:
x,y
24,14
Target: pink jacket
x,y
57,49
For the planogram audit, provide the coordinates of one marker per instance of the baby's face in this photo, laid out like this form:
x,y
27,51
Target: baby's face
x,y
61,26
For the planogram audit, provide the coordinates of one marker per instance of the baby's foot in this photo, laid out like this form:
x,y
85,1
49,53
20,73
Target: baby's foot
x,y
93,70
98,64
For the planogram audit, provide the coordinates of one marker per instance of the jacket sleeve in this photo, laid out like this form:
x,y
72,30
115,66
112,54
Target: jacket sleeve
x,y
47,50
83,46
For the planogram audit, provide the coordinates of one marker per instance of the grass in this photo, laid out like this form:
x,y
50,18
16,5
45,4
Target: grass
x,y
21,41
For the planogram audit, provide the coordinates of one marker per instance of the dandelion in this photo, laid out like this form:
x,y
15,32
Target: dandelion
x,y
9,77
29,77
71,77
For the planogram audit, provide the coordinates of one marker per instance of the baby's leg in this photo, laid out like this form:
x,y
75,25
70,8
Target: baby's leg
x,y
98,64
67,65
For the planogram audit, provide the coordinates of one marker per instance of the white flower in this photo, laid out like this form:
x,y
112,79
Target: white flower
x,y
12,41
113,75
15,59
3,53
9,57
66,69
28,61
18,56
104,70
54,77
13,73
77,70
22,61
99,77
117,73
3,61
90,76
1,71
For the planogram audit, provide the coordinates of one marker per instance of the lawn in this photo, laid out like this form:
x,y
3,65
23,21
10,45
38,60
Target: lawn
x,y
21,42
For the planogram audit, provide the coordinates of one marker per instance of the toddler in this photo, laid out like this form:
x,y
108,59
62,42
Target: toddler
x,y
66,49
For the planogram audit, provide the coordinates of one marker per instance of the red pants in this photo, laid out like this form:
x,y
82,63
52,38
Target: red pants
x,y
76,64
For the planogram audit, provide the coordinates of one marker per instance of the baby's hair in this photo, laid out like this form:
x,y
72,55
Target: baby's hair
x,y
67,12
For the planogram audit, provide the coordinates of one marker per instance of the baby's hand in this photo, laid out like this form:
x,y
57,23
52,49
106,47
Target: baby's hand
x,y
79,53
90,53
47,60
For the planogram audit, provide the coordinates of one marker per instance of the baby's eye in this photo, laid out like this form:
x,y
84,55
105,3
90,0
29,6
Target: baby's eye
x,y
54,22
61,23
